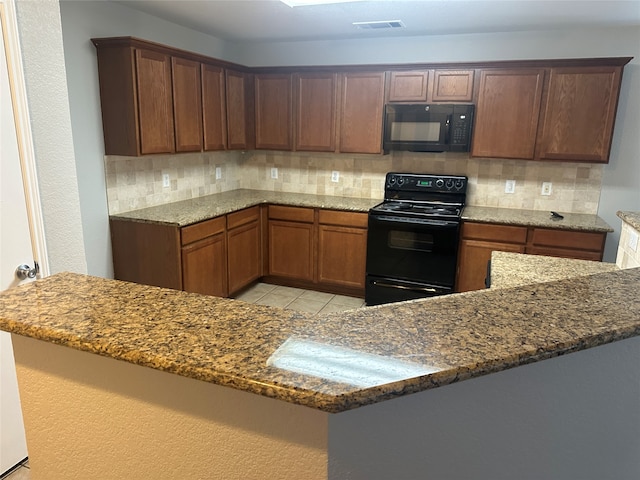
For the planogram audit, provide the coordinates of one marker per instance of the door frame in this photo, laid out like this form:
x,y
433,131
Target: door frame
x,y
24,138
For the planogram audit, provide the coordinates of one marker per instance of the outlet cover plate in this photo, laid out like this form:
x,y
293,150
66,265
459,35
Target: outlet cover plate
x,y
274,172
632,242
510,186
166,180
546,188
335,176
218,173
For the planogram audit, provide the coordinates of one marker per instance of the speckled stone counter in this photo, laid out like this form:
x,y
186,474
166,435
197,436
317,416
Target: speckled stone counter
x,y
632,218
380,352
535,218
517,269
195,210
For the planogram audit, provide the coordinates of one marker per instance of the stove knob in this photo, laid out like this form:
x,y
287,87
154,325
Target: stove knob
x,y
439,183
459,184
392,180
449,184
401,181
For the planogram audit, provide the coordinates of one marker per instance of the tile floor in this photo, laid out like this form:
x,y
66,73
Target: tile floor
x,y
20,473
275,296
298,299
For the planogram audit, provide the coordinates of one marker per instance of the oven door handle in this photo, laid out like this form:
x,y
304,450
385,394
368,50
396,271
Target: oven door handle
x,y
419,221
378,283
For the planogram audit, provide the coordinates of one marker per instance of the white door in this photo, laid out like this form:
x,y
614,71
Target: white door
x,y
16,157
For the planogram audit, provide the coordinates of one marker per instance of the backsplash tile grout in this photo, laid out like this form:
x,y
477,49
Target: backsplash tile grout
x,y
136,182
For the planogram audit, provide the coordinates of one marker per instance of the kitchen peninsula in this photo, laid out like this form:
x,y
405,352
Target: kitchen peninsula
x,y
120,379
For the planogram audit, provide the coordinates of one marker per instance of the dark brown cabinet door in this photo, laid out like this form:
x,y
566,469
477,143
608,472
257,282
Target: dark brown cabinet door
x,y
187,105
316,106
273,100
410,86
342,255
361,109
204,266
473,259
579,114
244,248
507,113
155,102
291,249
239,89
452,86
214,106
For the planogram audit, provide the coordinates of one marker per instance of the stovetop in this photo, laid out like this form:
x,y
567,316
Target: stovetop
x,y
423,195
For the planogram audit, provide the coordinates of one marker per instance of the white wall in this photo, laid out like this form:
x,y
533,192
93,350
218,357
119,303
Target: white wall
x,y
621,182
43,62
82,21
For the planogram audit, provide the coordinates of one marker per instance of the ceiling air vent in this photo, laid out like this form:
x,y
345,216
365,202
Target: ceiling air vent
x,y
379,25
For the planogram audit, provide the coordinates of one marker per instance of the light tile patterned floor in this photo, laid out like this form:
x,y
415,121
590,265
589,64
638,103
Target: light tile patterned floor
x,y
20,473
298,299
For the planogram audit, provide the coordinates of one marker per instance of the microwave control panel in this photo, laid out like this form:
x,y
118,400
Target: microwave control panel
x,y
461,125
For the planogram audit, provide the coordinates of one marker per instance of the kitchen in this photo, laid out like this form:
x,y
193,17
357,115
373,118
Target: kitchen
x,y
619,174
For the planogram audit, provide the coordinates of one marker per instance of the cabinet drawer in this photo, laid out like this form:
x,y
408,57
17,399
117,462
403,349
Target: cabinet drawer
x,y
201,230
547,237
294,214
502,233
565,253
242,217
345,219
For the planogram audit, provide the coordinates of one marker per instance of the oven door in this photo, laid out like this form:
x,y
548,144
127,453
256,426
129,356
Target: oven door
x,y
419,254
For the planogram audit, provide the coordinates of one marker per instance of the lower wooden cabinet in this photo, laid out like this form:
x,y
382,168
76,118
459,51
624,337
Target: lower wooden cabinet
x,y
204,266
244,248
317,248
342,246
479,240
291,242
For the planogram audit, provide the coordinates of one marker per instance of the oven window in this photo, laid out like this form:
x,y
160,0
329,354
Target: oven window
x,y
403,240
415,131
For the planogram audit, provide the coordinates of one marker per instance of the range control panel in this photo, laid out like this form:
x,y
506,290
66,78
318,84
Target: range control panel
x,y
412,182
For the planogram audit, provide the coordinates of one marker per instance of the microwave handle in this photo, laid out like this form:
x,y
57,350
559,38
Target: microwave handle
x,y
447,130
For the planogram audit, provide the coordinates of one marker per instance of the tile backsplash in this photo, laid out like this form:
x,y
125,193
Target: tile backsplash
x,y
627,256
137,182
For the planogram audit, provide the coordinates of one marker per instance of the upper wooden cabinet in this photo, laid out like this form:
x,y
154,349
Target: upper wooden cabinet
x,y
240,108
441,85
273,103
155,99
410,86
214,107
507,113
452,85
316,97
579,113
556,113
187,104
361,109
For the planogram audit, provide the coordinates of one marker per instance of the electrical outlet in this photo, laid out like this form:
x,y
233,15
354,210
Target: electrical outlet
x,y
218,173
546,188
166,180
335,176
510,186
632,242
274,172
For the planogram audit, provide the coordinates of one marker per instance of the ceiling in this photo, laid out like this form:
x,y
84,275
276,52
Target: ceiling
x,y
271,20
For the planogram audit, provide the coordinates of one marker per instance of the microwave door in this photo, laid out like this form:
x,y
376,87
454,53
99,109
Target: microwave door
x,y
417,131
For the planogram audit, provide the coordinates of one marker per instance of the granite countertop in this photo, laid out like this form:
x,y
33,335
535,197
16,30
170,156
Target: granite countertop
x,y
632,218
333,362
517,269
195,210
535,218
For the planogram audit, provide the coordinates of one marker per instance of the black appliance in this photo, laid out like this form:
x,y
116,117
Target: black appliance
x,y
413,236
428,128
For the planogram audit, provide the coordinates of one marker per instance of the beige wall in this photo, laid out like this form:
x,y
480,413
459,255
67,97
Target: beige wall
x,y
91,417
134,183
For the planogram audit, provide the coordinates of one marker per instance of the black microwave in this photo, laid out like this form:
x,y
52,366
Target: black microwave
x,y
428,128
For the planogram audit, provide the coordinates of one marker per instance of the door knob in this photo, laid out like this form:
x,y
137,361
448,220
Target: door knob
x,y
25,271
